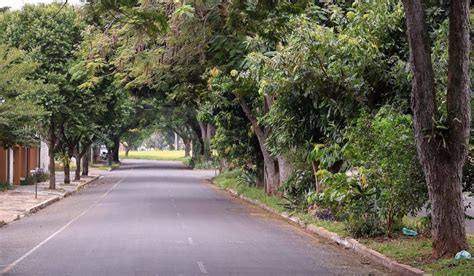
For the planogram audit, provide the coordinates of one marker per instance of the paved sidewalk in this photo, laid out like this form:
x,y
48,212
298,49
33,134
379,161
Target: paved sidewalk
x,y
21,201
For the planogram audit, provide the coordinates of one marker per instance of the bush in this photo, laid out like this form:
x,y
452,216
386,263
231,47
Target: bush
x,y
386,181
248,176
385,147
40,176
468,173
5,186
296,188
353,200
300,181
29,180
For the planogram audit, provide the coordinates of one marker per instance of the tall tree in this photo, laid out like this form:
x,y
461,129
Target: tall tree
x,y
18,117
442,144
53,50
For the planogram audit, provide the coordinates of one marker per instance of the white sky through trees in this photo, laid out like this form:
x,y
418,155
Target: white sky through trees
x,y
17,4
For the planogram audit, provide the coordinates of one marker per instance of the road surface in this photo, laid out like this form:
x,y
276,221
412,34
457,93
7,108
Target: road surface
x,y
159,218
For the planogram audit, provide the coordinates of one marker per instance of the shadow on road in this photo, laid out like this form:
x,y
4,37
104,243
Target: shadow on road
x,y
136,164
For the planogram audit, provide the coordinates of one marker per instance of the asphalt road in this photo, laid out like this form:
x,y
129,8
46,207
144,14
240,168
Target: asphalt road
x,y
158,218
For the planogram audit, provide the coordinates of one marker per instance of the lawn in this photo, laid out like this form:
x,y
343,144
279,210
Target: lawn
x,y
417,252
177,155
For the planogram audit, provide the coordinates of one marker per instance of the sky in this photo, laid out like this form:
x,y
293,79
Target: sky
x,y
17,4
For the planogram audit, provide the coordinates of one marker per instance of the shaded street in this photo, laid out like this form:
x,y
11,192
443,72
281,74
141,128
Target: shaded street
x,y
159,218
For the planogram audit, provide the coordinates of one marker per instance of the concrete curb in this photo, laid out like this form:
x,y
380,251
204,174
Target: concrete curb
x,y
42,205
81,186
349,243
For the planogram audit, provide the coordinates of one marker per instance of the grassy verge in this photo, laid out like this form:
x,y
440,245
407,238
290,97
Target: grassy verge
x,y
229,180
174,155
417,252
412,251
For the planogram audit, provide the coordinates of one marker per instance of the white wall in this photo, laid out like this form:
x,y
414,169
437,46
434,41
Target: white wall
x,y
44,158
10,173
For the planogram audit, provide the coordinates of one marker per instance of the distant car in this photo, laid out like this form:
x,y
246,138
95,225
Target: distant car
x,y
103,152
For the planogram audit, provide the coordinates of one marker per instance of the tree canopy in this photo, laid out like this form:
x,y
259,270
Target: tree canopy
x,y
282,91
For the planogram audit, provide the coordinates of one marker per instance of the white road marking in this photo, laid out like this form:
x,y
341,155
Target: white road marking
x,y
12,265
190,240
202,268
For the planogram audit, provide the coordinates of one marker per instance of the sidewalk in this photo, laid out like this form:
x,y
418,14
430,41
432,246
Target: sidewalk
x,y
19,202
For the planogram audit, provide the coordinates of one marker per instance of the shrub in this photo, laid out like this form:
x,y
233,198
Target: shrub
x,y
468,172
386,181
384,145
42,176
296,188
5,186
248,177
353,200
300,181
39,176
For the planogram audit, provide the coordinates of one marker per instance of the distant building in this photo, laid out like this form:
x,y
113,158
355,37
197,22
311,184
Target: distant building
x,y
17,162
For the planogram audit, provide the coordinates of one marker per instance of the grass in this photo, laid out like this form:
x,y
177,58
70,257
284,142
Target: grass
x,y
176,155
229,180
412,251
417,252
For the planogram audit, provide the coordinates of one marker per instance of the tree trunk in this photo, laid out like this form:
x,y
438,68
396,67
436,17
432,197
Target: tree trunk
x,y
77,175
187,148
272,175
127,150
95,154
51,151
85,163
115,150
447,209
284,168
442,155
205,141
271,171
67,173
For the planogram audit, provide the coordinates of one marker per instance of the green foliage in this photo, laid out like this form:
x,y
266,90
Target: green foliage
x,y
386,183
18,116
468,172
384,145
326,156
248,177
390,183
296,187
4,186
229,179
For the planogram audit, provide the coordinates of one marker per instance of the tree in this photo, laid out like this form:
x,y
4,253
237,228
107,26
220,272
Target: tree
x,y
18,117
133,138
442,141
53,50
